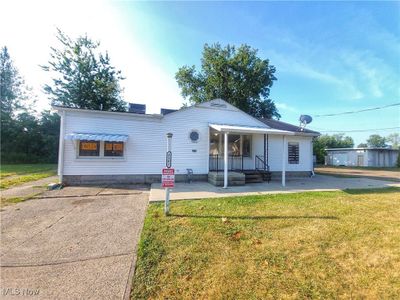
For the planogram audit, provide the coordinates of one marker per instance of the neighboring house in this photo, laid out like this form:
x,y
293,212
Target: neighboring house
x,y
102,147
362,157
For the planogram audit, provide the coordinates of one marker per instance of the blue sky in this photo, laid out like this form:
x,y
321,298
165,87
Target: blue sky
x,y
330,57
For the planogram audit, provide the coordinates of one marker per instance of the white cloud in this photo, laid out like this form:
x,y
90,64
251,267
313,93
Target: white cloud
x,y
371,70
28,30
290,64
285,107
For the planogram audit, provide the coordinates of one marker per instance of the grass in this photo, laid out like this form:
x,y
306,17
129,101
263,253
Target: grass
x,y
15,200
307,245
12,175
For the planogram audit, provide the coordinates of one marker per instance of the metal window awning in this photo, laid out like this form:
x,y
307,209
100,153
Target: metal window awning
x,y
97,137
248,129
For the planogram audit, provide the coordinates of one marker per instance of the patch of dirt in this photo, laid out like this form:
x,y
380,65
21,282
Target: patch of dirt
x,y
375,174
236,236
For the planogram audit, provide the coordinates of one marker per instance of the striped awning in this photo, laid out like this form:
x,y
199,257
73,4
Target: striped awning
x,y
97,137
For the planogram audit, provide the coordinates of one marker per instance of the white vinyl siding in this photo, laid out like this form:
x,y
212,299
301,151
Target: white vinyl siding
x,y
276,152
144,151
146,145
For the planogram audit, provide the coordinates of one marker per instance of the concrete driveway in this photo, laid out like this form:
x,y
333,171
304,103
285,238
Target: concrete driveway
x,y
79,242
199,190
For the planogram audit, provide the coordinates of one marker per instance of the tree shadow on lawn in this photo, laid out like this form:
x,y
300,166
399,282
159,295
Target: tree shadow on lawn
x,y
385,190
253,217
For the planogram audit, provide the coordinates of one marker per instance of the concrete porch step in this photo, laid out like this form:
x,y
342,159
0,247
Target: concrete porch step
x,y
258,180
234,178
253,178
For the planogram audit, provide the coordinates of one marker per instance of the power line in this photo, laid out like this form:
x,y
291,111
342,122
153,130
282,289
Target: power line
x,y
358,111
360,130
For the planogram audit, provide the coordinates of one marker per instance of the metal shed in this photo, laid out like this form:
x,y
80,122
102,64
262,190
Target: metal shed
x,y
362,157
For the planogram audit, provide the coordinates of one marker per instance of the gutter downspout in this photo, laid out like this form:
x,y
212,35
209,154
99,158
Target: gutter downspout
x,y
284,158
312,159
61,148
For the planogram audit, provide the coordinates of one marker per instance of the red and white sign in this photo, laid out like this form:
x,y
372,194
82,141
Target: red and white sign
x,y
168,178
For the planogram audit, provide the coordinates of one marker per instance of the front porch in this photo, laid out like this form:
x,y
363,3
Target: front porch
x,y
241,169
240,154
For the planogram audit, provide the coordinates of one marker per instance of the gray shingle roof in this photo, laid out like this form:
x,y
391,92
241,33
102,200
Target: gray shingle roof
x,y
275,124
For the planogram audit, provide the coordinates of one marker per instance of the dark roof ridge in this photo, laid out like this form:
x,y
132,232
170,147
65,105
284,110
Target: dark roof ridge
x,y
286,126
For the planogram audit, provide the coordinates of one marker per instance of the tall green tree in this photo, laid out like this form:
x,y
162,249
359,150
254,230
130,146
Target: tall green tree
x,y
330,141
84,77
236,75
25,138
11,94
375,140
11,85
394,140
49,127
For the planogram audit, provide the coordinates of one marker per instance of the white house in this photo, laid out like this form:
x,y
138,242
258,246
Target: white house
x,y
362,157
102,147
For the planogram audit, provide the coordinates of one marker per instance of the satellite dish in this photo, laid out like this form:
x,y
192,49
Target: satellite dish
x,y
304,120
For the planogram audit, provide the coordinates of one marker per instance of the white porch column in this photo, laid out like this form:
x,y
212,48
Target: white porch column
x,y
284,159
225,160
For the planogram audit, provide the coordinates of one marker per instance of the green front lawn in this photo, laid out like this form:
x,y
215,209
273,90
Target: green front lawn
x,y
15,174
306,245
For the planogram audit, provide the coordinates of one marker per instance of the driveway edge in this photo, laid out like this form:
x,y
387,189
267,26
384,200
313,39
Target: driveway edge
x,y
131,274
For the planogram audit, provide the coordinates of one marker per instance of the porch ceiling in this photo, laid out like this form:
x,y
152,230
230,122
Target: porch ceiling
x,y
248,129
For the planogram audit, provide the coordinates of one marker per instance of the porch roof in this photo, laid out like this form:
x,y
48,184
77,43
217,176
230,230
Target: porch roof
x,y
248,129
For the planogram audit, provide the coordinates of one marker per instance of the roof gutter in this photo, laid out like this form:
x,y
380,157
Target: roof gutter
x,y
306,133
115,113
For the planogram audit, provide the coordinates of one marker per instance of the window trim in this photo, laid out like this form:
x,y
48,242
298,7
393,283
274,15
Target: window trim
x,y
293,162
221,149
88,141
101,153
113,142
251,145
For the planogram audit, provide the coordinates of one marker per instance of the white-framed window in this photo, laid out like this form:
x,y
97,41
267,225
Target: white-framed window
x,y
100,149
114,149
238,144
246,145
89,148
293,153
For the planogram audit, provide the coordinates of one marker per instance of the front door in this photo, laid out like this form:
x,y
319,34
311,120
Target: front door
x,y
360,160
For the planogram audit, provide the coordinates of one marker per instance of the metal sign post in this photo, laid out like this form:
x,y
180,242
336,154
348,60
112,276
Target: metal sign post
x,y
168,159
168,174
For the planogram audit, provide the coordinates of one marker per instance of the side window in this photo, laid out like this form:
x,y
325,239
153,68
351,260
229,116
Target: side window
x,y
246,145
89,148
293,153
113,149
234,144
